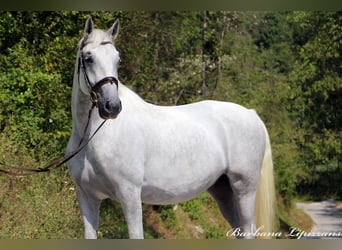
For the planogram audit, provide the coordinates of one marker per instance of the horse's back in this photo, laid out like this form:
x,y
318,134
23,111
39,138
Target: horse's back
x,y
224,119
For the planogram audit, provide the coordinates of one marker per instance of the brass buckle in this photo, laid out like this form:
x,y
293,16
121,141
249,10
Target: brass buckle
x,y
93,97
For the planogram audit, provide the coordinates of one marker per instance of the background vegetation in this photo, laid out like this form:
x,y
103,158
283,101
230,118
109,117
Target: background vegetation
x,y
286,65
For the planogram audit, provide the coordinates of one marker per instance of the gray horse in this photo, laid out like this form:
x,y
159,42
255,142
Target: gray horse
x,y
163,155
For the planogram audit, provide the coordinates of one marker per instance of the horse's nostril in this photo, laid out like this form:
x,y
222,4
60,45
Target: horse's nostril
x,y
108,105
112,107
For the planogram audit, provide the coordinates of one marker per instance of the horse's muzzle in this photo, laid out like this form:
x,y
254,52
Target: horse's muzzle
x,y
110,109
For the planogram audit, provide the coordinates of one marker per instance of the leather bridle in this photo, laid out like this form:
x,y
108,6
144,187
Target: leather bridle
x,y
93,88
24,171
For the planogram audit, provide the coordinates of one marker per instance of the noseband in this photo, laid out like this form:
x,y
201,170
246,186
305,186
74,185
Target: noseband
x,y
98,85
93,88
23,171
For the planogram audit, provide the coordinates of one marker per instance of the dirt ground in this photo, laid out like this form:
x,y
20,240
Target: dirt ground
x,y
327,217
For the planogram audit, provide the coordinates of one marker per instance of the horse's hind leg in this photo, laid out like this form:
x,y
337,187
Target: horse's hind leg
x,y
223,195
244,189
90,208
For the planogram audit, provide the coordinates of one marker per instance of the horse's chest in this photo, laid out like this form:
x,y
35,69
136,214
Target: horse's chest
x,y
90,178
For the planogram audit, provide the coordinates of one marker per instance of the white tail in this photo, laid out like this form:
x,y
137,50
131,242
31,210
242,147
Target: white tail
x,y
265,207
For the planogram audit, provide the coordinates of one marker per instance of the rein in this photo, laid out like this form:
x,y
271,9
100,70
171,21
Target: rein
x,y
23,171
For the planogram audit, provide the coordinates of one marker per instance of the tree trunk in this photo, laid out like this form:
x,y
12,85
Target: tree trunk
x,y
204,65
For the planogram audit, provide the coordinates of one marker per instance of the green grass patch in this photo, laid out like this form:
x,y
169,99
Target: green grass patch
x,y
45,206
292,217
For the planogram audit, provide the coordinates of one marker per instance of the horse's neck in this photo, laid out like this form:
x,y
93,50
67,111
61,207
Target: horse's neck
x,y
130,100
80,106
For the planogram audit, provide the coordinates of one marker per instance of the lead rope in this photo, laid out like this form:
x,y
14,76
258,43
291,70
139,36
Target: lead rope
x,y
22,171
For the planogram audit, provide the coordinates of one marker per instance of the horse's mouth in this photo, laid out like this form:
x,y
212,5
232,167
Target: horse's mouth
x,y
109,117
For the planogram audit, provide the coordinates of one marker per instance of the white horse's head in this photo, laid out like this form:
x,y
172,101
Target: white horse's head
x,y
98,68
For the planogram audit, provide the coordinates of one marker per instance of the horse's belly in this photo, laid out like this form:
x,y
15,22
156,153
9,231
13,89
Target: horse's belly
x,y
171,188
164,195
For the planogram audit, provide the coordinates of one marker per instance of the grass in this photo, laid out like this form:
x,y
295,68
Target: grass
x,y
44,206
38,207
291,217
196,219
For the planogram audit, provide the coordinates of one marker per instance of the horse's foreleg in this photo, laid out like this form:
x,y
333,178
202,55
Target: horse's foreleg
x,y
132,208
90,208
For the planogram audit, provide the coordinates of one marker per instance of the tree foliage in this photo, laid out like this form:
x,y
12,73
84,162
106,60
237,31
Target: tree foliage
x,y
318,97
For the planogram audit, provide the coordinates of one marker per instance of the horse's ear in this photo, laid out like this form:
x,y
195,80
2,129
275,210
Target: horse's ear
x,y
114,30
89,26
